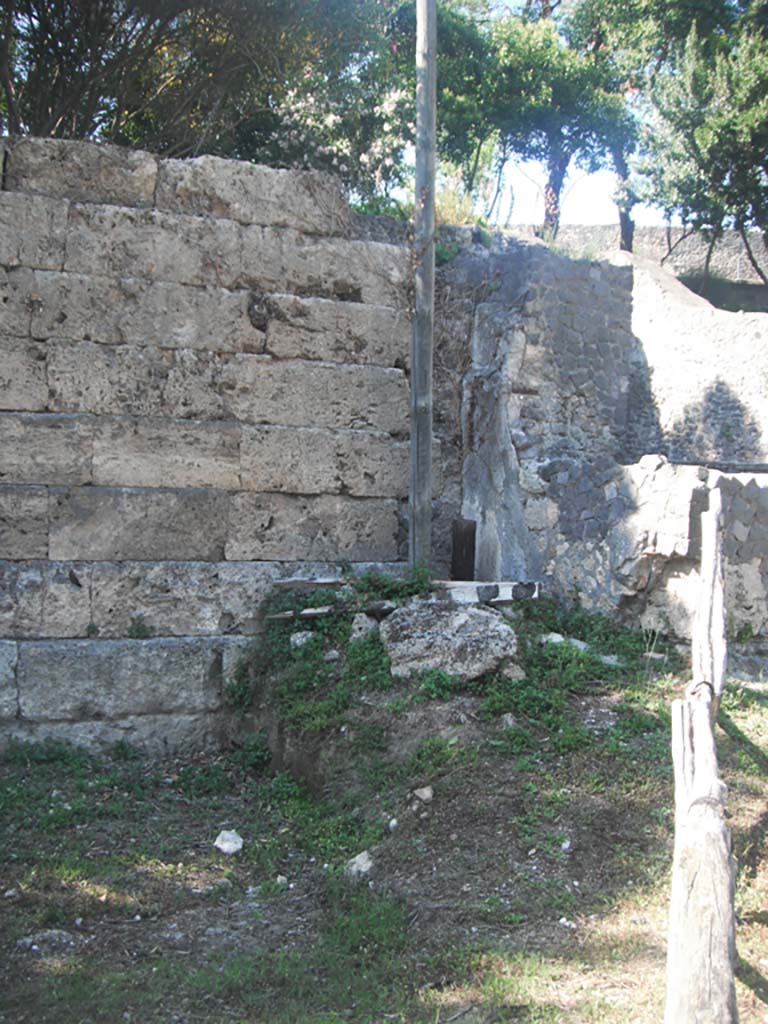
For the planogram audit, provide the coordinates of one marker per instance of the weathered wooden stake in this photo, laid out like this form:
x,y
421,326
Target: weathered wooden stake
x,y
420,533
701,950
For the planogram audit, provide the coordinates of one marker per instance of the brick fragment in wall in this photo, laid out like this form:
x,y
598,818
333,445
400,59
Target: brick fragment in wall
x,y
8,690
23,521
300,393
33,231
131,310
280,526
341,332
104,523
251,194
23,381
81,679
40,599
85,171
44,448
166,453
156,735
314,461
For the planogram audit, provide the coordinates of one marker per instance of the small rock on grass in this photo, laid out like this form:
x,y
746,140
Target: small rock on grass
x,y
228,842
359,866
426,794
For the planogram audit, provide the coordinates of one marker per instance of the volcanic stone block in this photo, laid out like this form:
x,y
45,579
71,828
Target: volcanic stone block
x,y
166,453
311,461
251,194
23,383
156,735
85,377
23,522
128,310
123,242
9,702
82,679
100,523
39,448
279,526
15,313
87,171
33,231
44,599
340,332
180,598
258,389
332,268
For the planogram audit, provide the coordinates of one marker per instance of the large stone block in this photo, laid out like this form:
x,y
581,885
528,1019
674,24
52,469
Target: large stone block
x,y
100,523
258,389
33,231
129,310
166,453
107,379
40,448
122,242
9,697
44,599
157,735
23,382
180,598
15,311
87,171
339,332
332,268
82,679
252,194
23,522
312,461
267,526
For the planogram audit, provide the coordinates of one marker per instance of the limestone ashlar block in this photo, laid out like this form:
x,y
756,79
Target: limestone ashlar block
x,y
332,528
44,599
86,679
332,268
156,735
23,522
251,194
23,381
9,702
166,453
15,312
337,332
296,393
103,523
121,242
129,310
180,598
128,380
312,461
86,171
33,231
40,448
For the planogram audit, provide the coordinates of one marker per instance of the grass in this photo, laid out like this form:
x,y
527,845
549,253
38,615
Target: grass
x,y
532,888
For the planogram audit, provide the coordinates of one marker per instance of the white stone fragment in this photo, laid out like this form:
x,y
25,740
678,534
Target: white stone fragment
x,y
359,866
228,842
425,794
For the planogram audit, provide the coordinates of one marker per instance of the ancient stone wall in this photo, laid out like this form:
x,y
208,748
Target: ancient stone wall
x,y
582,385
202,388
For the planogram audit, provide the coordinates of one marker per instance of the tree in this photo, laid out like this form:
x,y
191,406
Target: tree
x,y
549,104
708,137
177,76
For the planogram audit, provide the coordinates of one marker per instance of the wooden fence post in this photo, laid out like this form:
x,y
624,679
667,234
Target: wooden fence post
x,y
701,950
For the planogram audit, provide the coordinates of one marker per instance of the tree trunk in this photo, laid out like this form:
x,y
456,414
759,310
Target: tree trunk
x,y
557,167
625,203
708,643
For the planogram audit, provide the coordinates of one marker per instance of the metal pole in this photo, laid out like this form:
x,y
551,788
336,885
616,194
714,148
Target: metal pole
x,y
419,543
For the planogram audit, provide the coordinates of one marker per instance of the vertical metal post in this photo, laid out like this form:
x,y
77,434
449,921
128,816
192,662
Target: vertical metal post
x,y
419,538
